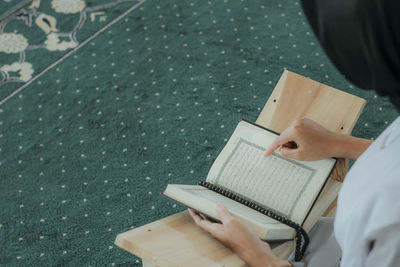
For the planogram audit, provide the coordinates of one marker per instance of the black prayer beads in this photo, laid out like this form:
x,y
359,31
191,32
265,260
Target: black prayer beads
x,y
301,238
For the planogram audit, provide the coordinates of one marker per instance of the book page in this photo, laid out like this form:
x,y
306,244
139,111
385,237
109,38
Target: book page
x,y
325,199
286,186
203,200
230,204
268,180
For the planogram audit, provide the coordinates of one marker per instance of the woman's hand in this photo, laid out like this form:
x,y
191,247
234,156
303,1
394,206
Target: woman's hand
x,y
304,139
236,235
307,140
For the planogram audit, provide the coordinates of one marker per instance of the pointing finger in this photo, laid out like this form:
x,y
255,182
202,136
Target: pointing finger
x,y
272,147
279,141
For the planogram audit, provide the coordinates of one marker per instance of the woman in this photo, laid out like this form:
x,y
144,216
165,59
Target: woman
x,y
362,39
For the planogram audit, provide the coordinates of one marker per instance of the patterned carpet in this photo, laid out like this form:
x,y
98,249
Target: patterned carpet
x,y
103,103
8,7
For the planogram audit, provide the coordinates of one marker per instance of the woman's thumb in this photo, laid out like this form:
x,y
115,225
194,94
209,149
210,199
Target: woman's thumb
x,y
288,152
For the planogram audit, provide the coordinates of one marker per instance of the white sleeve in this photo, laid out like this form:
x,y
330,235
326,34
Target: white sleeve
x,y
384,251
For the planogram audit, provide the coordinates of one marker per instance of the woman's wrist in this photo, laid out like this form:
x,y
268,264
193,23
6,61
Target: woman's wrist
x,y
347,146
262,256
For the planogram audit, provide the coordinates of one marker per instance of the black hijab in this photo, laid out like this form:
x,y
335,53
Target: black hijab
x,y
362,39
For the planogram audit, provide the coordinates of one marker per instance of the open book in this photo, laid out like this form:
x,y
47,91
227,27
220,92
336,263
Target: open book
x,y
252,186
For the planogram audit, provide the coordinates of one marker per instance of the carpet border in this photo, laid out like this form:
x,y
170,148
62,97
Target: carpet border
x,y
72,51
14,9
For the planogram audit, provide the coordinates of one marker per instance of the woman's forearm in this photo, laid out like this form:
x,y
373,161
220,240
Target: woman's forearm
x,y
346,146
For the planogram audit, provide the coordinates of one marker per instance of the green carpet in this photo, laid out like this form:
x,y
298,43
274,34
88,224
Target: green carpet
x,y
89,142
8,7
36,36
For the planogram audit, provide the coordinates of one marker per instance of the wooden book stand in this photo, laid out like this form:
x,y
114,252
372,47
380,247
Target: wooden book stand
x,y
177,241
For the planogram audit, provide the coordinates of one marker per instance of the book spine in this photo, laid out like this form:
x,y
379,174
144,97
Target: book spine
x,y
301,234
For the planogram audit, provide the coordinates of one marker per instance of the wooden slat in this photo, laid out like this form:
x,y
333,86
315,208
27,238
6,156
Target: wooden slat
x,y
296,96
177,241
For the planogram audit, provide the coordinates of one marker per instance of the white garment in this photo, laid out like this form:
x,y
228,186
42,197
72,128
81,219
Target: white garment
x,y
367,224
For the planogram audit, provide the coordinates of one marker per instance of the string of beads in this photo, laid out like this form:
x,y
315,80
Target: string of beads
x,y
301,238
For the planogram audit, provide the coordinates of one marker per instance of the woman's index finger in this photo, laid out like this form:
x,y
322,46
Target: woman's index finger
x,y
272,148
284,138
